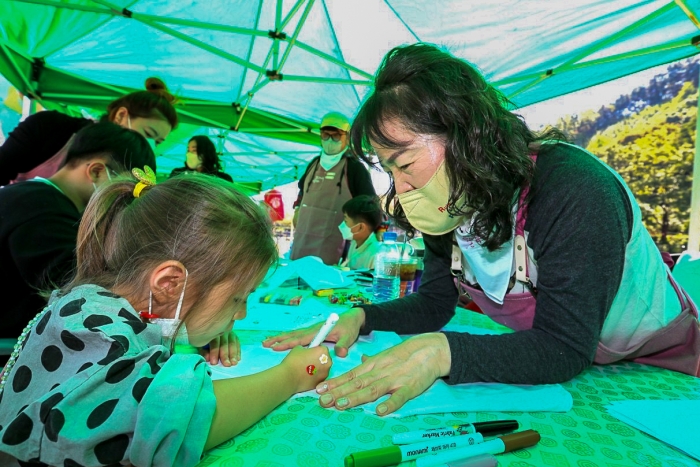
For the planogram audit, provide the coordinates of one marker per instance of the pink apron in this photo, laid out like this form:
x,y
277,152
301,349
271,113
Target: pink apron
x,y
321,212
675,346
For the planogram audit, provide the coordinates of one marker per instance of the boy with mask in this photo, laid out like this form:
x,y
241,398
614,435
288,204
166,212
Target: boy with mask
x,y
362,217
330,180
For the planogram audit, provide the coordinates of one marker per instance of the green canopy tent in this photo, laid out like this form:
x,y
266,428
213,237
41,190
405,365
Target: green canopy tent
x,y
260,74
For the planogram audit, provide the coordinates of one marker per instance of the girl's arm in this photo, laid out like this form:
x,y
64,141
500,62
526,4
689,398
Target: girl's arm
x,y
240,402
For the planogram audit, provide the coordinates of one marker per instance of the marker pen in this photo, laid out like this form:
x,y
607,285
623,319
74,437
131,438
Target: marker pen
x,y
485,428
392,455
505,443
325,329
483,460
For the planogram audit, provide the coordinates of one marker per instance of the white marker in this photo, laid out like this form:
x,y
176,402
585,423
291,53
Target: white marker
x,y
325,330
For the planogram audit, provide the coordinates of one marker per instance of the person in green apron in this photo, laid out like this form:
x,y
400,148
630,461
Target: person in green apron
x,y
330,180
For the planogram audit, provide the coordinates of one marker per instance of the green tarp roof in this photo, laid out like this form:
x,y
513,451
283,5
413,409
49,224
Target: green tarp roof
x,y
260,74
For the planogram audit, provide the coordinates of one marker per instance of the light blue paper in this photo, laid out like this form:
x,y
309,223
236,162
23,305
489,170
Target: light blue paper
x,y
676,423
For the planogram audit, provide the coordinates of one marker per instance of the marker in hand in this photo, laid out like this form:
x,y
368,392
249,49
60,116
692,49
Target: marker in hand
x,y
325,329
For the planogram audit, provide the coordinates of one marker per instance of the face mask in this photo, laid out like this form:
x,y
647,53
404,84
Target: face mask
x,y
345,231
328,162
331,147
426,207
169,325
192,160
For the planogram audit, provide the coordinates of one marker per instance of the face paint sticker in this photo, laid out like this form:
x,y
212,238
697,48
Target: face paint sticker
x,y
311,370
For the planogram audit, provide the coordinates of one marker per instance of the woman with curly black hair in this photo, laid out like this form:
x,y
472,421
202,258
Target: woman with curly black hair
x,y
542,235
202,157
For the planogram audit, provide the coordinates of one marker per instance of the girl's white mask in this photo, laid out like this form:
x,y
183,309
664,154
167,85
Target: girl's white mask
x,y
169,325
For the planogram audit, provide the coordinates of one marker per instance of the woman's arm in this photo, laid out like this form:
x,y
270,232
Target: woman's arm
x,y
427,310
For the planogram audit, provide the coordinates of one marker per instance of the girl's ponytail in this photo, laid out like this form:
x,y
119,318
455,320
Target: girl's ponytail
x,y
94,247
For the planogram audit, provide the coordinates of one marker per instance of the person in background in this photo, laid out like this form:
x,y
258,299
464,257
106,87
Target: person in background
x,y
544,237
39,218
155,265
37,146
330,180
202,157
362,217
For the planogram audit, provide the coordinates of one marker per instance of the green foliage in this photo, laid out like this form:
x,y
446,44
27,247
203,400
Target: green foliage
x,y
653,151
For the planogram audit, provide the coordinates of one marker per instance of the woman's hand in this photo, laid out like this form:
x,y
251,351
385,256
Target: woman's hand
x,y
404,371
344,333
307,367
226,348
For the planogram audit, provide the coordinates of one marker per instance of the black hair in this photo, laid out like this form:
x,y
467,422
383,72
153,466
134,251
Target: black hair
x,y
487,147
124,148
365,208
206,149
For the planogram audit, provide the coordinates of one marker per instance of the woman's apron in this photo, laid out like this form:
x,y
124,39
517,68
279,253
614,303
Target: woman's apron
x,y
675,346
320,213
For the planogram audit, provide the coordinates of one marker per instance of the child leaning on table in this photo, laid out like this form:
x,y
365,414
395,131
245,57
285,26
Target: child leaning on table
x,y
96,382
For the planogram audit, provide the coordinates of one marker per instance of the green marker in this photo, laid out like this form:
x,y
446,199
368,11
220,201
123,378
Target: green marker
x,y
392,455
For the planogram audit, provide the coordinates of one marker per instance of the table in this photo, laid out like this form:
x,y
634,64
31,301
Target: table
x,y
302,433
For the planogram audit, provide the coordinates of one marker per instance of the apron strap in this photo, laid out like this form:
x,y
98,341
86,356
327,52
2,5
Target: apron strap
x,y
309,180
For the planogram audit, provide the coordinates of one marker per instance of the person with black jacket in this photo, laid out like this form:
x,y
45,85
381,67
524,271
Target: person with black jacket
x,y
201,157
39,218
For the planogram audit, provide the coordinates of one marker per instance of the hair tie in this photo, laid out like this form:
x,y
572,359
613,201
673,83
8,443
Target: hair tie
x,y
146,178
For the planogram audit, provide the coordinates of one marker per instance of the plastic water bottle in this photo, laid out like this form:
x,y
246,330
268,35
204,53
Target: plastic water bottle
x,y
387,267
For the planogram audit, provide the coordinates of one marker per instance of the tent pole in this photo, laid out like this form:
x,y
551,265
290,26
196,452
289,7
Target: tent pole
x,y
291,13
297,30
694,228
15,67
314,79
275,40
333,60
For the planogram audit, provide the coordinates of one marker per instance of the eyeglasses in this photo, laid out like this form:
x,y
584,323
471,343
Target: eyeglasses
x,y
334,135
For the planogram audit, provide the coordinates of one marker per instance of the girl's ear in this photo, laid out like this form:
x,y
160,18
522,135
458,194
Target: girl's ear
x,y
167,280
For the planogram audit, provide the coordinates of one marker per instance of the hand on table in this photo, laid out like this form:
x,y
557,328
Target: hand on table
x,y
307,367
344,334
226,348
403,371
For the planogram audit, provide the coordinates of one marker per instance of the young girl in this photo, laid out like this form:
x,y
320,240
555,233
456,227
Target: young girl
x,y
95,381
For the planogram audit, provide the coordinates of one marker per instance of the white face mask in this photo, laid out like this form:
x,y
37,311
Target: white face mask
x,y
331,147
169,325
345,231
192,160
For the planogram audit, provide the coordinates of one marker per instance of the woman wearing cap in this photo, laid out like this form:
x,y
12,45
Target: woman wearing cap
x,y
330,180
37,147
541,234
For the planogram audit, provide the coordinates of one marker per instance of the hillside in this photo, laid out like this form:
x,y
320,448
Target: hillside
x,y
653,151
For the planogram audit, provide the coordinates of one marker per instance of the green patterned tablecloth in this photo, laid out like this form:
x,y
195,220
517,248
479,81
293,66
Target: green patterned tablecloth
x,y
302,433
